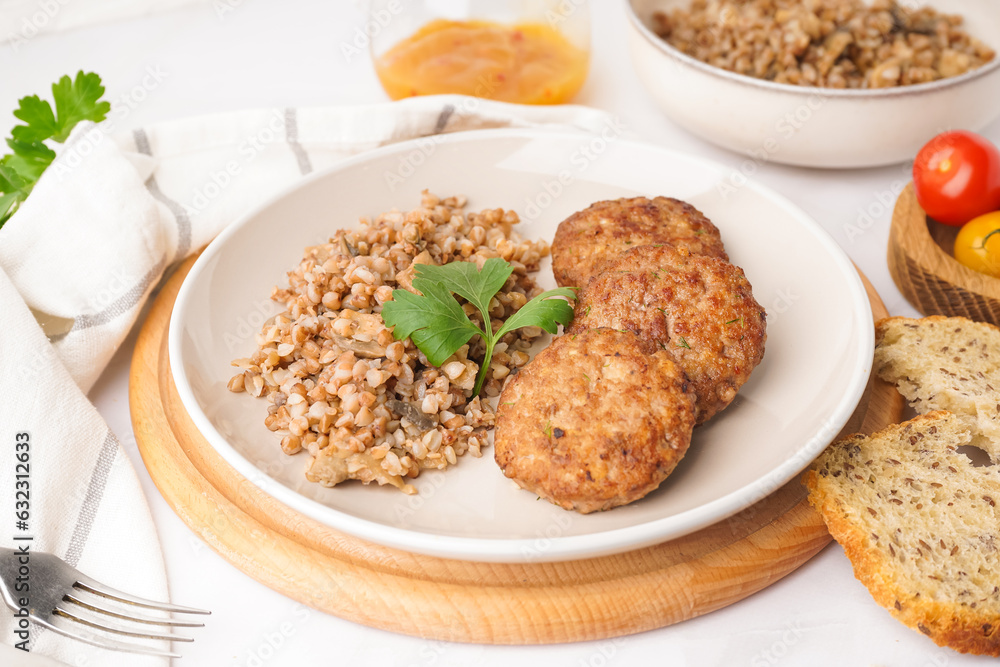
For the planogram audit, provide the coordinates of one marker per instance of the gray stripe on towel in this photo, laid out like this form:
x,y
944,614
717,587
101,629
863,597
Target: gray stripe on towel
x,y
442,120
122,304
178,211
292,137
95,492
141,141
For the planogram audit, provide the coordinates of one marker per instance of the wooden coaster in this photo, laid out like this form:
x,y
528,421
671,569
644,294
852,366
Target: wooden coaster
x,y
455,600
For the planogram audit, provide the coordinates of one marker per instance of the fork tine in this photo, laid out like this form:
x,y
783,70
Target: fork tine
x,y
99,623
96,603
98,588
74,630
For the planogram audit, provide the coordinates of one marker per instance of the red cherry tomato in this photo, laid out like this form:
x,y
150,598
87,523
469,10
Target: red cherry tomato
x,y
957,177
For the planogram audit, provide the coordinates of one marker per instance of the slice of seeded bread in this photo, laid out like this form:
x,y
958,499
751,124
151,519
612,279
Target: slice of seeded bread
x,y
944,363
920,525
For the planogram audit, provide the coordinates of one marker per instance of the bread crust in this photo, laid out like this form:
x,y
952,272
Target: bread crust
x,y
882,325
946,622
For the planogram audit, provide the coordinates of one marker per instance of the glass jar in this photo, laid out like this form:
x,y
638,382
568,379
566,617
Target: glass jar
x,y
522,51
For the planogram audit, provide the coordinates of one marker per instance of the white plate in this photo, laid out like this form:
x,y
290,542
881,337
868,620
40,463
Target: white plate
x,y
818,358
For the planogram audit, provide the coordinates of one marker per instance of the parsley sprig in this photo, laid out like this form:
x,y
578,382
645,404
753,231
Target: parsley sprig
x,y
76,100
438,326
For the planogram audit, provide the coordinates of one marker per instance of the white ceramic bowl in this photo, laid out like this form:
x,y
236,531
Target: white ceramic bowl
x,y
809,126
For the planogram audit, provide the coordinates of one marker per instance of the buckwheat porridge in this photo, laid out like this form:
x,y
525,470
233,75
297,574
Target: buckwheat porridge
x,y
360,404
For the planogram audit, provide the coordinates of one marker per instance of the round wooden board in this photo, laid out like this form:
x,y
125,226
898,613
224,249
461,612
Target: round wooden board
x,y
455,600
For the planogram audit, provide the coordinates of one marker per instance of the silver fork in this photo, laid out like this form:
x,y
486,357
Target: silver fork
x,y
70,603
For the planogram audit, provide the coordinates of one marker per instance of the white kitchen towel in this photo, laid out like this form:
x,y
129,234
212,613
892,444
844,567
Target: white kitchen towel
x,y
79,495
89,245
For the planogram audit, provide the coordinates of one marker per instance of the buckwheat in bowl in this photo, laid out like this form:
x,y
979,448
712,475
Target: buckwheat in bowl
x,y
819,83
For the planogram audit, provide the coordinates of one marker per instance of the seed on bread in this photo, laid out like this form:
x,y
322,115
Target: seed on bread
x,y
944,363
920,525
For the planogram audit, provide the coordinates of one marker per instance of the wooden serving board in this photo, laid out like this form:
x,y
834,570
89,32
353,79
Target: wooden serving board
x,y
455,600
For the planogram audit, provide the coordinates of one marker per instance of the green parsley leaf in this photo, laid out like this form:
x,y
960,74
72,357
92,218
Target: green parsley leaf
x,y
6,202
9,180
466,280
29,160
41,122
683,343
76,100
13,186
434,322
438,326
546,311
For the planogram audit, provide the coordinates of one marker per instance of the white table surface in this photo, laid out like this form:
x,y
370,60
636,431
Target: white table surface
x,y
269,53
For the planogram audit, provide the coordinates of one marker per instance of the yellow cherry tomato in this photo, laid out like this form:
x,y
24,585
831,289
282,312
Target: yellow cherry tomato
x,y
977,245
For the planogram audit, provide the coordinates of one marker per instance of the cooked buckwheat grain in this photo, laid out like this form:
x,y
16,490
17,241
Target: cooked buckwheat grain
x,y
828,43
363,405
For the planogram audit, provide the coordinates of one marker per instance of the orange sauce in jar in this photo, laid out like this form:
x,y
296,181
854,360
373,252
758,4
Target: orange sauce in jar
x,y
529,63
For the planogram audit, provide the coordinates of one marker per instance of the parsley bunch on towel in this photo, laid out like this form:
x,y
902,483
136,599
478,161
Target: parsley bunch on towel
x,y
76,100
